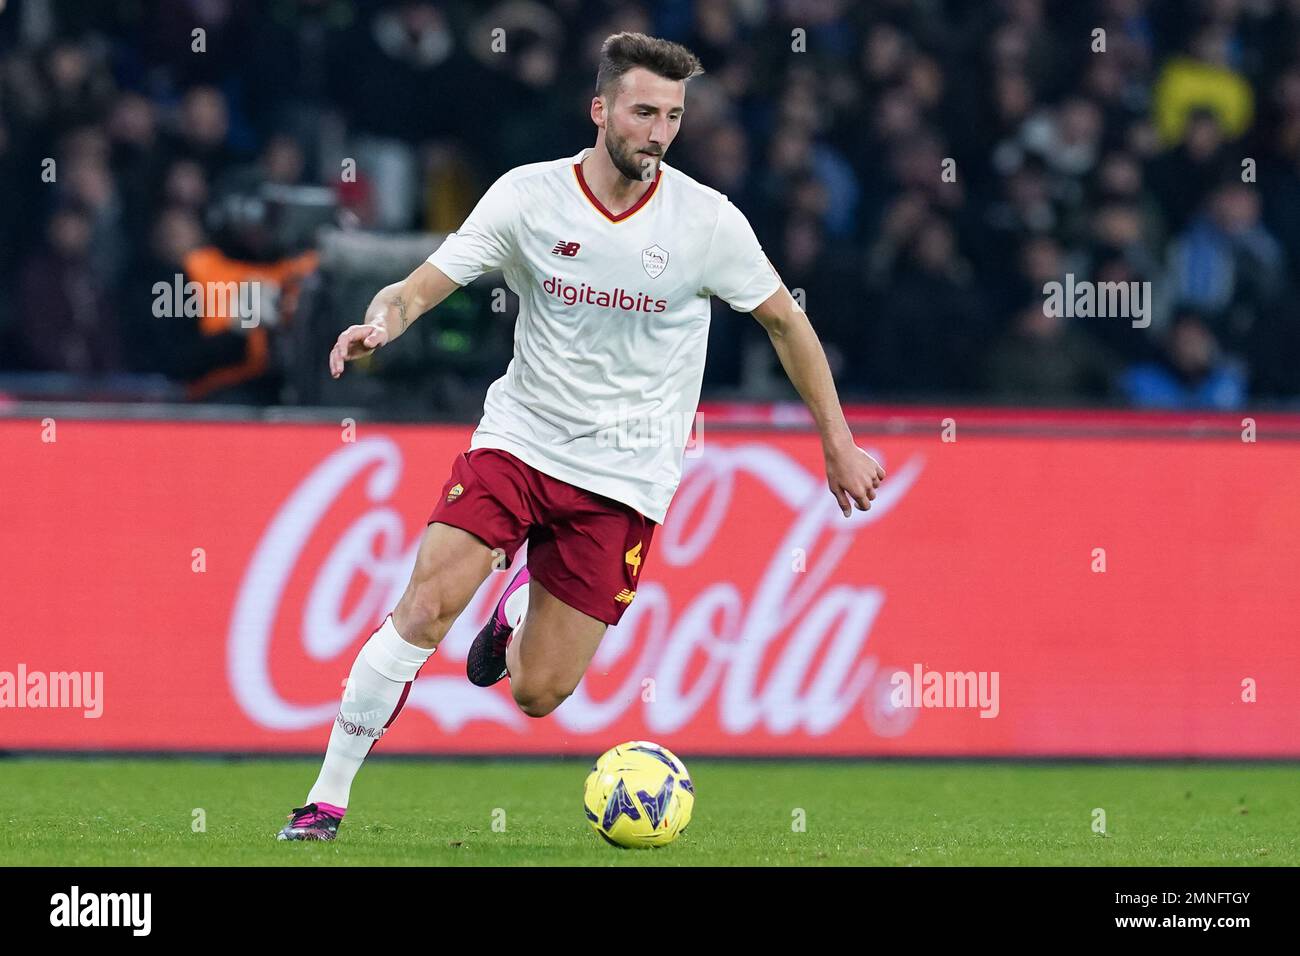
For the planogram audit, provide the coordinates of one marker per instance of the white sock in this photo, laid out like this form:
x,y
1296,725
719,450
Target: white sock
x,y
377,686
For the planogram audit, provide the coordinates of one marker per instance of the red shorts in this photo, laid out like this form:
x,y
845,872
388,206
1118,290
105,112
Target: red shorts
x,y
586,549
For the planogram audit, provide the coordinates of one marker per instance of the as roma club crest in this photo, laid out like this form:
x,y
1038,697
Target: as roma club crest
x,y
654,260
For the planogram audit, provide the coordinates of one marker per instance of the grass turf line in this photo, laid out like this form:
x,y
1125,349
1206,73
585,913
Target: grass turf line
x,y
440,813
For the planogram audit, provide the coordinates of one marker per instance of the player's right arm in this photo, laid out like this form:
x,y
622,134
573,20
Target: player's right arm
x,y
483,242
391,313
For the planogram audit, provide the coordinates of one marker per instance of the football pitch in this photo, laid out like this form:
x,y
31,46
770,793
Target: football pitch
x,y
110,811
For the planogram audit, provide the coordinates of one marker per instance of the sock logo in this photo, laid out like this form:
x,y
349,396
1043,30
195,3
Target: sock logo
x,y
359,730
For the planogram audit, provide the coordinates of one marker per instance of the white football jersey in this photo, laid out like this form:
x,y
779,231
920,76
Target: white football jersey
x,y
613,321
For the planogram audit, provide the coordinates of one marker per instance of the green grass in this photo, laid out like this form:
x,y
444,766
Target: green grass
x,y
128,812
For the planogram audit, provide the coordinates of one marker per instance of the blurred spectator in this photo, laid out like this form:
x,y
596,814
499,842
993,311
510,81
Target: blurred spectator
x,y
186,184
1045,360
1202,80
929,320
405,79
75,87
1183,177
825,281
135,159
1067,139
88,181
200,131
528,73
1226,263
266,283
1192,373
1120,178
65,323
919,169
171,343
1121,338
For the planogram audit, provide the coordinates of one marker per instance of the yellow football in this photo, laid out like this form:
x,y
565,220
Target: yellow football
x,y
638,796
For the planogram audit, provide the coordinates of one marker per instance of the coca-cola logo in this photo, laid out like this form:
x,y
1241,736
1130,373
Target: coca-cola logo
x,y
785,653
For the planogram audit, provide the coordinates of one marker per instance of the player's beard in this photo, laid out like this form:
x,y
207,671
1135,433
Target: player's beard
x,y
625,159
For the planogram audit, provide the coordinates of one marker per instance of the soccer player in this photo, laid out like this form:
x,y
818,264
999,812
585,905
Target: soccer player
x,y
614,256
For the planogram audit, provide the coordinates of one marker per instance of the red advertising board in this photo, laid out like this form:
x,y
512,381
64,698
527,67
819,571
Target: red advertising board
x,y
1133,596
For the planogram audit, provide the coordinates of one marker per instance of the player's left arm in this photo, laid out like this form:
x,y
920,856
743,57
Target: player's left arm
x,y
851,474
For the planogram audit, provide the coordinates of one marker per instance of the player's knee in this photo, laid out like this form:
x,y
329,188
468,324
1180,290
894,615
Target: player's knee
x,y
537,699
421,618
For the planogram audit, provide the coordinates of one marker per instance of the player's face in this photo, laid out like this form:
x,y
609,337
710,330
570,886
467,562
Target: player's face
x,y
642,121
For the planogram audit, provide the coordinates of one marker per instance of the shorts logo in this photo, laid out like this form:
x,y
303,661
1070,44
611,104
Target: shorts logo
x,y
633,558
654,260
455,492
624,596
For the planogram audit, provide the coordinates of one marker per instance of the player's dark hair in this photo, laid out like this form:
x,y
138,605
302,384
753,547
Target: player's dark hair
x,y
623,51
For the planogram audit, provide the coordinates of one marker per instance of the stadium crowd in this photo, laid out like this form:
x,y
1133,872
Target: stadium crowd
x,y
920,169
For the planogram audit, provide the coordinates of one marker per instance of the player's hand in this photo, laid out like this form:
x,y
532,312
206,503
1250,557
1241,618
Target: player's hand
x,y
357,341
853,477
387,312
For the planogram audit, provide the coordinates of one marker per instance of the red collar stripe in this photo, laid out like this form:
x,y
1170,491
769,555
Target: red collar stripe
x,y
591,197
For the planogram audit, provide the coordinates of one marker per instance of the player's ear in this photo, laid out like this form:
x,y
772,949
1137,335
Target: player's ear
x,y
598,111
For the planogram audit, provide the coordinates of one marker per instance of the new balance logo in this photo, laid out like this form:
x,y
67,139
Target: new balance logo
x,y
566,249
624,596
